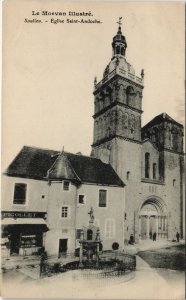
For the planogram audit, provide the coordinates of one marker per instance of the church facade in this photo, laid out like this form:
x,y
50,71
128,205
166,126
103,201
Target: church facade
x,y
148,159
133,180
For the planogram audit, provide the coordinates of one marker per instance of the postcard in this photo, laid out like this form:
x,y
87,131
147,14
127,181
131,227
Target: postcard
x,y
93,200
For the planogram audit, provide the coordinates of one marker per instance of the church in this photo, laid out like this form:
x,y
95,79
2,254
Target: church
x,y
148,159
132,181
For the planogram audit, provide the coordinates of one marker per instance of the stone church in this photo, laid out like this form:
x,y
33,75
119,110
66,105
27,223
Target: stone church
x,y
133,180
148,159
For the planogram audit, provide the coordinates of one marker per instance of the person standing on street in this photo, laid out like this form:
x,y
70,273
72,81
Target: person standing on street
x,y
178,237
154,236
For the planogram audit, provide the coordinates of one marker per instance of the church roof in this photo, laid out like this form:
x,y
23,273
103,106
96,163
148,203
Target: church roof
x,y
44,164
160,119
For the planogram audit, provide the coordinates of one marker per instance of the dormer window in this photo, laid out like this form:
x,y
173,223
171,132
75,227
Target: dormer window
x,y
66,185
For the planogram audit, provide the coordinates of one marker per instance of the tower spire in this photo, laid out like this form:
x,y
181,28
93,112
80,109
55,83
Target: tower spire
x,y
119,27
119,43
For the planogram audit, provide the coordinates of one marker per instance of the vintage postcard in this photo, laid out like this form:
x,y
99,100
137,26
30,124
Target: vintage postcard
x,y
93,200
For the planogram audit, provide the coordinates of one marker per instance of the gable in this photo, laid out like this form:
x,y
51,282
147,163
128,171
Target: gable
x,y
147,145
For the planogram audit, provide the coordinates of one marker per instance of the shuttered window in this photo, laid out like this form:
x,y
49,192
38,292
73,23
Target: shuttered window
x,y
109,228
102,198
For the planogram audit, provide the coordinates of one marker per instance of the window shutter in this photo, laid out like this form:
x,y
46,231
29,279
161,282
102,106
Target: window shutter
x,y
102,198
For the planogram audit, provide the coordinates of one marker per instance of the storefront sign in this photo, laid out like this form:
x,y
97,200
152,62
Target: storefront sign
x,y
22,214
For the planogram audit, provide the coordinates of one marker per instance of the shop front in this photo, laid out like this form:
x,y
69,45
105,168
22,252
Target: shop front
x,y
23,232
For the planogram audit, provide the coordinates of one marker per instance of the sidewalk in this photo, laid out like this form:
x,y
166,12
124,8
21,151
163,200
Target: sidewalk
x,y
150,245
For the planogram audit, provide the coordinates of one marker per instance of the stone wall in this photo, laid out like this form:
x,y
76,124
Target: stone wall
x,y
114,212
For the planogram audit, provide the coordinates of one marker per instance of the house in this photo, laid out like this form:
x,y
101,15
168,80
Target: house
x,y
47,197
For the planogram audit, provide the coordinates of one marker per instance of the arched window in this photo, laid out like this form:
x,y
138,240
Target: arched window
x,y
128,175
174,182
147,164
125,120
89,234
132,123
154,170
122,51
130,94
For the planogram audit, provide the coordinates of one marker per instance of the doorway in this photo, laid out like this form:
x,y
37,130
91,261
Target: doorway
x,y
14,243
62,247
153,219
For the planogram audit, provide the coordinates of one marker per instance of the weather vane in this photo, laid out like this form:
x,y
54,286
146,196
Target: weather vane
x,y
120,18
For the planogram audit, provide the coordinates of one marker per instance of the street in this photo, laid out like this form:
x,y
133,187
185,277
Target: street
x,y
145,283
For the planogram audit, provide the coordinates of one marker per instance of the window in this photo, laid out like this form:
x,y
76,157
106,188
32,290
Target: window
x,y
81,199
174,182
118,50
66,185
78,234
20,193
154,170
109,228
102,198
163,223
147,164
64,212
128,175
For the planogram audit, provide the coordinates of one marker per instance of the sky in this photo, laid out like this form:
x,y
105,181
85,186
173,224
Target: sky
x,y
49,69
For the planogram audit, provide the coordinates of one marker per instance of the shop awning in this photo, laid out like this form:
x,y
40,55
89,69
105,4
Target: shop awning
x,y
22,221
24,224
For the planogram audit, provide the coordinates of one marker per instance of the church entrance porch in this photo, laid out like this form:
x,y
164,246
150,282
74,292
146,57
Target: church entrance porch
x,y
153,221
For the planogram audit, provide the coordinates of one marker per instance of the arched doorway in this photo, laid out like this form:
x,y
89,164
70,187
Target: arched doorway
x,y
153,219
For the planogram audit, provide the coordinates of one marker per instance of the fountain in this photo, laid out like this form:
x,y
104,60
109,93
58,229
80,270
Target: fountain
x,y
90,243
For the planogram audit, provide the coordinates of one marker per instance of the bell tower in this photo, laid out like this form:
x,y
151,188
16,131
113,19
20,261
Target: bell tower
x,y
117,124
117,103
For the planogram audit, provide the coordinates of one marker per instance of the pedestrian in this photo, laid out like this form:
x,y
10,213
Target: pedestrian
x,y
154,236
131,241
178,237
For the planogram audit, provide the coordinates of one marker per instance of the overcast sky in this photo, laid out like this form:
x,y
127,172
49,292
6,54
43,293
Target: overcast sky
x,y
48,69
